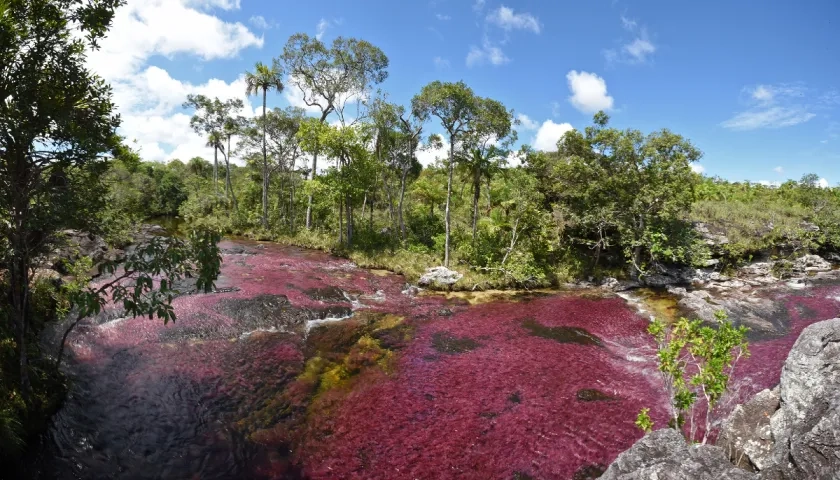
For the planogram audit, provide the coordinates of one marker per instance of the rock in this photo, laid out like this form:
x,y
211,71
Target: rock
x,y
811,263
711,239
664,454
746,435
757,269
809,227
327,294
668,275
807,425
440,276
411,290
444,312
610,283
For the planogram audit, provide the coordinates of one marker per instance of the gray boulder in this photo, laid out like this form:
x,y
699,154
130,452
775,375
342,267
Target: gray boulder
x,y
710,238
439,276
807,425
811,263
746,435
664,455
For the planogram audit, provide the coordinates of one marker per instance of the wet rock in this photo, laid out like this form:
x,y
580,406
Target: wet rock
x,y
236,250
664,454
762,315
444,312
589,472
562,334
593,395
746,435
807,425
445,342
668,275
811,263
272,312
74,245
326,294
440,276
411,290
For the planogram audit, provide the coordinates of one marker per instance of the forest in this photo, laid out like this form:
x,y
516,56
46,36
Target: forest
x,y
608,203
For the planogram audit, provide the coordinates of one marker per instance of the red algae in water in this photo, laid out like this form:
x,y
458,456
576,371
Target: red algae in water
x,y
492,391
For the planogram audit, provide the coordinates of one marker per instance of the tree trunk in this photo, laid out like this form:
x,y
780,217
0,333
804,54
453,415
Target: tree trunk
x,y
349,222
340,222
476,195
216,169
449,199
402,199
228,184
19,299
265,169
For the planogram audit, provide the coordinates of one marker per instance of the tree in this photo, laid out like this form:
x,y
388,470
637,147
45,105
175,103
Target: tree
x,y
463,115
620,187
215,119
263,79
329,77
56,127
696,362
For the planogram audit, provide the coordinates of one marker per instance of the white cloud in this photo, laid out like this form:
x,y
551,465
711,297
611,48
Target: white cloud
x,y
640,48
428,156
768,183
589,92
697,168
147,97
488,53
479,5
508,20
822,183
548,135
441,63
772,117
771,106
442,17
258,21
526,122
628,23
779,170
637,50
321,28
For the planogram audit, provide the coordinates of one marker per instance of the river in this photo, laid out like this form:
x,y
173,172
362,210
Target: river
x,y
304,366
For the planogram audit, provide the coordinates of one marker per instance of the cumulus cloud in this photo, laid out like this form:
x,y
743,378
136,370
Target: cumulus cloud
x,y
321,28
526,123
822,183
697,168
258,21
771,106
428,156
506,19
589,92
487,53
147,97
548,135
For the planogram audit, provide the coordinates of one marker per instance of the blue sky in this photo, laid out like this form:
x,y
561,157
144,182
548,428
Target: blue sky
x,y
756,87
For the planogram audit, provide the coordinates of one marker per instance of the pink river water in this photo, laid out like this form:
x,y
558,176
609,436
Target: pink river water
x,y
546,387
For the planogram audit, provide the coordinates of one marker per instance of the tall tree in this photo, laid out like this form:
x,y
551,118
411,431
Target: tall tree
x,y
212,118
261,80
329,77
464,116
56,125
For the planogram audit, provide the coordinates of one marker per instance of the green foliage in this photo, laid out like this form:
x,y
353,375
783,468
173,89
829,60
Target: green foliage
x,y
620,189
643,420
697,363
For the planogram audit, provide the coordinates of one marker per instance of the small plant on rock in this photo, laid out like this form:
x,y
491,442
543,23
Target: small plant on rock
x,y
697,363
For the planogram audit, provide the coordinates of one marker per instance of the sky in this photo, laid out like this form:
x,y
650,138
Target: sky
x,y
754,85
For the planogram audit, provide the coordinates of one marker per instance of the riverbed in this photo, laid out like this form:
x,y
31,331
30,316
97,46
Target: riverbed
x,y
303,365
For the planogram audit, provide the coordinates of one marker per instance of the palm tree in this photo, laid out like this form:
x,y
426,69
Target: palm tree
x,y
480,164
263,79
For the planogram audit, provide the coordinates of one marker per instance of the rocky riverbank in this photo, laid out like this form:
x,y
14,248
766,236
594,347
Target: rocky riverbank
x,y
790,433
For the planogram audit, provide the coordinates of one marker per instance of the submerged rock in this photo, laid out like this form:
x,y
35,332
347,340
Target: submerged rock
x,y
562,334
440,276
326,294
593,395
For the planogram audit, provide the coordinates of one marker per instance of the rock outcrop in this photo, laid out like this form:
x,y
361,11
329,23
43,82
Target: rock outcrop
x,y
440,276
664,455
792,433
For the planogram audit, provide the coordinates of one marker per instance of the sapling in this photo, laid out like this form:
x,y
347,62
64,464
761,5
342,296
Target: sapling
x,y
697,362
